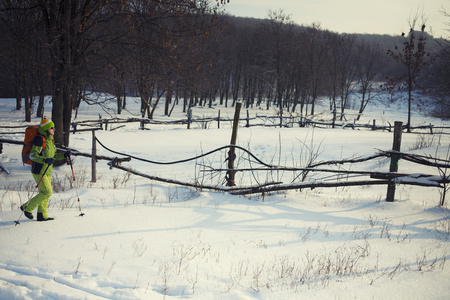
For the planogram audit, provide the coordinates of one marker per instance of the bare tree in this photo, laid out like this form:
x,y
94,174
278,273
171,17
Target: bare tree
x,y
412,57
345,62
315,44
370,67
278,35
299,78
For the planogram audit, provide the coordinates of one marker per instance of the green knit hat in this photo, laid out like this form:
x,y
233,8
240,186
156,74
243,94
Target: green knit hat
x,y
46,124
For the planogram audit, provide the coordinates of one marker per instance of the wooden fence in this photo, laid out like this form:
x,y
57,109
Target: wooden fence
x,y
288,120
389,178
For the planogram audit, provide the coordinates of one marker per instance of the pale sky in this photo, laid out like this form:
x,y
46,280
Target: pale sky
x,y
353,16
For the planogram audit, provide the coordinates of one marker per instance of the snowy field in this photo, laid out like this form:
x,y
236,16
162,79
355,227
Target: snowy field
x,y
142,239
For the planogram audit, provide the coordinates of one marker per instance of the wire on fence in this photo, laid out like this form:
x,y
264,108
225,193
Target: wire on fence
x,y
419,159
187,159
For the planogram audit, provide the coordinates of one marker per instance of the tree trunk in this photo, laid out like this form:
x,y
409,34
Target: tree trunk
x,y
58,113
119,104
40,109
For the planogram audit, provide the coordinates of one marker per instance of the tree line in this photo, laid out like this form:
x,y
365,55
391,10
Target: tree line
x,y
191,53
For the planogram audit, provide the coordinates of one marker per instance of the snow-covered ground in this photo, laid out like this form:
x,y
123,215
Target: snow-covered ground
x,y
142,239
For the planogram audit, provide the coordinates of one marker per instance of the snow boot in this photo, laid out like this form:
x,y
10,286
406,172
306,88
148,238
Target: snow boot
x,y
27,214
40,218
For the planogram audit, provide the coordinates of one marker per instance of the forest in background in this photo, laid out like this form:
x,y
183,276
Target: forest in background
x,y
192,53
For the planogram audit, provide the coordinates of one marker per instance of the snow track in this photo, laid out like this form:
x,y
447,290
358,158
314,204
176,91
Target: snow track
x,y
33,283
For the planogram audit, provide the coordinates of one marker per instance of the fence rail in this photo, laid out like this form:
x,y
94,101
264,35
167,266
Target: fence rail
x,y
290,120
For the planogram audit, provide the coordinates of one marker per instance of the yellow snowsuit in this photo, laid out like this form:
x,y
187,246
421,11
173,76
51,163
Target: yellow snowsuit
x,y
39,166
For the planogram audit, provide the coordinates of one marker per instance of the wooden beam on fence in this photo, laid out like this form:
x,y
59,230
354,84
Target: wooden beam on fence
x,y
232,152
85,130
398,127
8,141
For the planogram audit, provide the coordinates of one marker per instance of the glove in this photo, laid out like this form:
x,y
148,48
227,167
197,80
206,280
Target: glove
x,y
49,161
67,154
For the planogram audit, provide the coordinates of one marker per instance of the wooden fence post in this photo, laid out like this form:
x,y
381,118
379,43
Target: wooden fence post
x,y
218,120
231,153
189,117
281,118
248,119
334,118
398,126
94,158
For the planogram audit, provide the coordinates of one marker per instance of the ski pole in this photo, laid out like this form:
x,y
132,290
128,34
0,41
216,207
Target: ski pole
x,y
76,186
37,186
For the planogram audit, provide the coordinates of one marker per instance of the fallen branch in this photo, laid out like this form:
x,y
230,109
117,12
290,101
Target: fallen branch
x,y
313,185
382,175
188,184
351,161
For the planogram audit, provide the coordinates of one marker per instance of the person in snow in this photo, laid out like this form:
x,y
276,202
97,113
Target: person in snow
x,y
43,159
